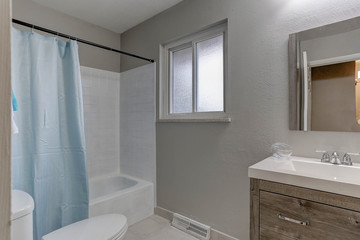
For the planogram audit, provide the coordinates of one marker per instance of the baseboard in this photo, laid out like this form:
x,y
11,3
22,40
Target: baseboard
x,y
214,235
164,213
217,235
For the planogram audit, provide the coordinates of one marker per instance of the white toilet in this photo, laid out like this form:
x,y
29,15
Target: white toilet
x,y
22,207
104,227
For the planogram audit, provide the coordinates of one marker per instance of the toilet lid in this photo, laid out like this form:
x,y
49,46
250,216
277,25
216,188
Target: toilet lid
x,y
21,204
104,227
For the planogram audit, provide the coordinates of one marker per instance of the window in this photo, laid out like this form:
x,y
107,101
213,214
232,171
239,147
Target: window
x,y
193,77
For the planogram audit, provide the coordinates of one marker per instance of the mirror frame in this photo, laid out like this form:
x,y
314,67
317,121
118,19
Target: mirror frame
x,y
293,106
293,55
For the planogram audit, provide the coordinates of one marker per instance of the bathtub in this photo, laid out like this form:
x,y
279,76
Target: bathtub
x,y
122,194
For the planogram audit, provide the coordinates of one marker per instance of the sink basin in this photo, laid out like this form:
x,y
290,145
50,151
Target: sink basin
x,y
310,173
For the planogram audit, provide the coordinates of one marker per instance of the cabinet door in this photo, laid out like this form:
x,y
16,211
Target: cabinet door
x,y
302,219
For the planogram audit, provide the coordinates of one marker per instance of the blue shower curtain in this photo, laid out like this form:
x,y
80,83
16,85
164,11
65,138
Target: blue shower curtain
x,y
49,154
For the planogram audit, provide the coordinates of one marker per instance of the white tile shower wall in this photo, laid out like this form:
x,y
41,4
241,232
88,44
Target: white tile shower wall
x,y
101,91
137,123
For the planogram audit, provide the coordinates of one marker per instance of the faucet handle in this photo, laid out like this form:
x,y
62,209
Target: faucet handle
x,y
353,153
325,157
347,159
320,151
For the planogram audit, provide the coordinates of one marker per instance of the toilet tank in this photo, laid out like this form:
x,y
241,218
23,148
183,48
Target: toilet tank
x,y
22,207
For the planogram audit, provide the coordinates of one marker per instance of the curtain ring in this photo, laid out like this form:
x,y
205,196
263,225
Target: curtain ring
x,y
32,29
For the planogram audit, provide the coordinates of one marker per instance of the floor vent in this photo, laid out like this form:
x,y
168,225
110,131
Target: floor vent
x,y
191,227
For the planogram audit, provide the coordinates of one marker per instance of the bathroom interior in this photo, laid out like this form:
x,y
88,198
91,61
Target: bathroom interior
x,y
179,119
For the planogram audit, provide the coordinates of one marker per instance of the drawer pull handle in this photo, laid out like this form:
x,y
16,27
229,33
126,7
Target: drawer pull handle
x,y
306,223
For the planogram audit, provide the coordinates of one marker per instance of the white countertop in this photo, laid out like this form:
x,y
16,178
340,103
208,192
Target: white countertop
x,y
309,173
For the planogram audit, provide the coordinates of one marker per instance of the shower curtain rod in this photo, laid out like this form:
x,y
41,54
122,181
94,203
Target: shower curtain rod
x,y
78,39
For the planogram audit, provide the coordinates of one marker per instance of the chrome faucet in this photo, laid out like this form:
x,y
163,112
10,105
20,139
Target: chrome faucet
x,y
335,159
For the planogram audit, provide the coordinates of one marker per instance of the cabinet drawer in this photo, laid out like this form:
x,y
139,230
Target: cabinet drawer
x,y
302,219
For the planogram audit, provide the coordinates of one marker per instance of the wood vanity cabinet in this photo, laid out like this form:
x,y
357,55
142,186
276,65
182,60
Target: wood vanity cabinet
x,y
284,212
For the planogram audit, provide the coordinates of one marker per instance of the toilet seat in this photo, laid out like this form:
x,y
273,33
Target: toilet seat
x,y
104,227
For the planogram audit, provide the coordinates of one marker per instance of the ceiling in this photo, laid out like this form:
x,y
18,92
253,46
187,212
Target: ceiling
x,y
115,15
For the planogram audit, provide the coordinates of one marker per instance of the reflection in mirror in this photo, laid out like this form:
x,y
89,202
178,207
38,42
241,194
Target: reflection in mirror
x,y
324,68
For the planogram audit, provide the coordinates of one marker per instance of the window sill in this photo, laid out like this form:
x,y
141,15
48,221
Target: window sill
x,y
196,120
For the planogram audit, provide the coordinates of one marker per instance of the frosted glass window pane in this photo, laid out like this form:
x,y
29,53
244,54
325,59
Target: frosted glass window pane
x,y
210,82
182,81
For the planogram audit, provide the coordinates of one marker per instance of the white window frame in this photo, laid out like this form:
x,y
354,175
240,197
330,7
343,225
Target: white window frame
x,y
165,77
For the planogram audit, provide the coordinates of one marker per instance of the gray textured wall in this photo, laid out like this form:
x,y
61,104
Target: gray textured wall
x,y
332,46
29,11
202,167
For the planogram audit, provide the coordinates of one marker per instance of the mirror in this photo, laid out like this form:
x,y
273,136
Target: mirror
x,y
324,73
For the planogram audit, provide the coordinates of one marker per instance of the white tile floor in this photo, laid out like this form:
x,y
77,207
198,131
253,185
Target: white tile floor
x,y
155,228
